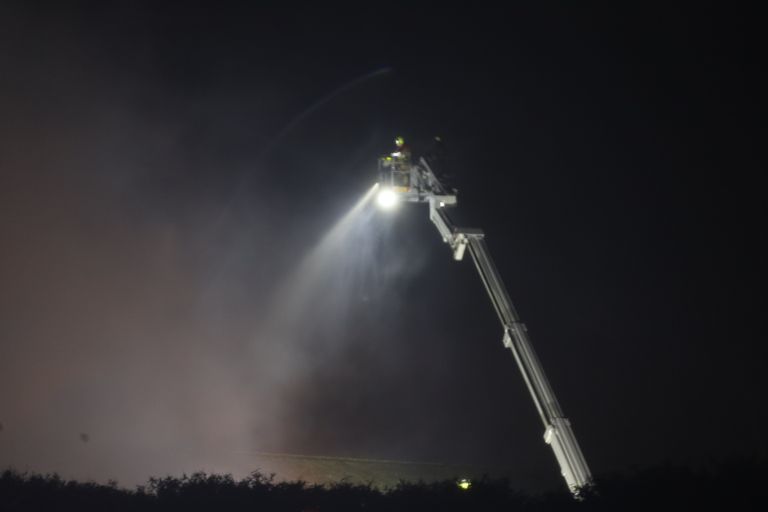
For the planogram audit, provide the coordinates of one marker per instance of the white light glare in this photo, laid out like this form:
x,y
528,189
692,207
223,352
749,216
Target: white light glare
x,y
387,199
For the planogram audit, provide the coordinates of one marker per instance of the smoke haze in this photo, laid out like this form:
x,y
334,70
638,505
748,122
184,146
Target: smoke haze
x,y
177,291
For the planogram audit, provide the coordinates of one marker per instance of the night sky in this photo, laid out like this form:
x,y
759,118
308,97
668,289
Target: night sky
x,y
165,171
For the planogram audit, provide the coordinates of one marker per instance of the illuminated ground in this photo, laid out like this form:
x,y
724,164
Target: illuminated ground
x,y
379,473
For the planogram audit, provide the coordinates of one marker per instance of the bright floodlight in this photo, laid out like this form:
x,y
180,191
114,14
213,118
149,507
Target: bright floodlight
x,y
387,199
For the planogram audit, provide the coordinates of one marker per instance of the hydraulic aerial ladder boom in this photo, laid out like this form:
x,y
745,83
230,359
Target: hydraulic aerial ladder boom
x,y
401,181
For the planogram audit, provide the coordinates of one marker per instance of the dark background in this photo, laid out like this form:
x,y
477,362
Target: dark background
x,y
164,169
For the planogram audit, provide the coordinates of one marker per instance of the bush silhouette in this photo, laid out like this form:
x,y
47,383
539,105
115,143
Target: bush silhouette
x,y
731,485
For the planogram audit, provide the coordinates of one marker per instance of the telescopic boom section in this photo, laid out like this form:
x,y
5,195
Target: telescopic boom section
x,y
424,187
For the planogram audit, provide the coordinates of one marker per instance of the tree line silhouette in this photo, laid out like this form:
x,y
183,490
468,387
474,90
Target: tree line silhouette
x,y
733,485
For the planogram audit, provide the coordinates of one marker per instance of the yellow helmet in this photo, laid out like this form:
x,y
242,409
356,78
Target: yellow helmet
x,y
399,141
